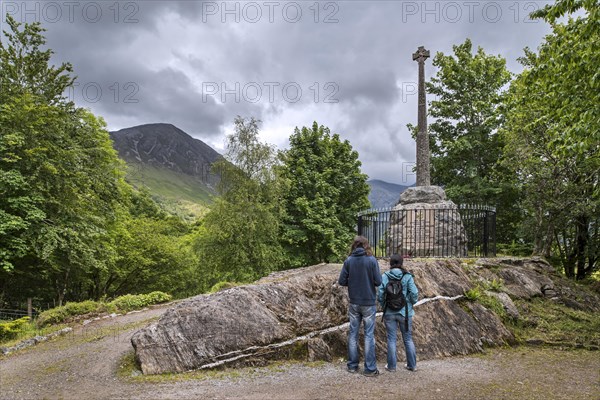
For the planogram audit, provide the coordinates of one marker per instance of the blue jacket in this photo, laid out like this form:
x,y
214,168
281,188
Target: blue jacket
x,y
362,276
409,289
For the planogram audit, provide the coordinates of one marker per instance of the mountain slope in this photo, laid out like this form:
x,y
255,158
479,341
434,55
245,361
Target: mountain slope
x,y
384,194
167,146
174,166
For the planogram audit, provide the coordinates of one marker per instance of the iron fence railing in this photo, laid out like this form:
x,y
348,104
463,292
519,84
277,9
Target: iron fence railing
x,y
9,315
465,231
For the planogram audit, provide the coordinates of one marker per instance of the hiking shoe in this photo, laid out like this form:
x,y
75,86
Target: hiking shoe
x,y
389,370
372,373
410,369
352,370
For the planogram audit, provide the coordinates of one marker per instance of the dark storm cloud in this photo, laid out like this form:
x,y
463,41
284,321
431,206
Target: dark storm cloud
x,y
164,95
198,64
101,40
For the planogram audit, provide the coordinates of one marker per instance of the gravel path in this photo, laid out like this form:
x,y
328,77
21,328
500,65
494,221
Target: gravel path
x,y
84,364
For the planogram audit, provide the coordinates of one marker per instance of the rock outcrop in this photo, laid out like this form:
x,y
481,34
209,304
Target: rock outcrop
x,y
303,314
423,194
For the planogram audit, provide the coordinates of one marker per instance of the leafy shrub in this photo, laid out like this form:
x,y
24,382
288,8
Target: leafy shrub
x,y
10,329
158,297
495,285
515,249
593,281
130,302
124,303
52,316
84,307
61,314
473,294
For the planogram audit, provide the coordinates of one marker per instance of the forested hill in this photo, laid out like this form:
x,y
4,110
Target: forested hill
x,y
174,166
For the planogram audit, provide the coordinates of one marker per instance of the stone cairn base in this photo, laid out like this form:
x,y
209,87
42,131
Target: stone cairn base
x,y
425,223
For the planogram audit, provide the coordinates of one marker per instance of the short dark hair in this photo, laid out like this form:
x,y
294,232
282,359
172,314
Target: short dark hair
x,y
396,261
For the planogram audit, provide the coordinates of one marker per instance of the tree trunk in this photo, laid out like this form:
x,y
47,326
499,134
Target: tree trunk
x,y
547,242
571,257
538,240
62,289
581,244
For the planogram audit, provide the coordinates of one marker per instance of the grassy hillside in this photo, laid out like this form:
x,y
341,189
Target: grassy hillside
x,y
177,193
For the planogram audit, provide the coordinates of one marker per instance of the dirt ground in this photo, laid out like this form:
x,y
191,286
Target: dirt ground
x,y
85,364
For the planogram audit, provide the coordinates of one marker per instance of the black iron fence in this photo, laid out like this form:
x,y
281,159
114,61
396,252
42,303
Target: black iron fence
x,y
461,231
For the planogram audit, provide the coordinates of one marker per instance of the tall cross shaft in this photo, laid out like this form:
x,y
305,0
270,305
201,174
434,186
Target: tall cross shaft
x,y
423,172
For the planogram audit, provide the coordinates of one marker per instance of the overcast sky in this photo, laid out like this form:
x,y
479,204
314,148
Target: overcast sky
x,y
345,64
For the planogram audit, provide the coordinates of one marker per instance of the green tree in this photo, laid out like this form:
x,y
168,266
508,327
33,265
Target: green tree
x,y
25,68
464,141
238,239
59,174
71,228
146,249
325,189
553,138
151,254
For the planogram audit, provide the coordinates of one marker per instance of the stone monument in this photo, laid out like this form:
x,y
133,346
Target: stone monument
x,y
424,223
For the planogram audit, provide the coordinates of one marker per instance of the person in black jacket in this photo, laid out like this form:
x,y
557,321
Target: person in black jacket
x,y
361,274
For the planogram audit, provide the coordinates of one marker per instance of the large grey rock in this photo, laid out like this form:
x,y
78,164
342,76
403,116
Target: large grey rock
x,y
424,223
210,328
523,280
423,194
303,314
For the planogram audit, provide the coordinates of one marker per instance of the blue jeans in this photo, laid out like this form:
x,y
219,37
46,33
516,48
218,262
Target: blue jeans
x,y
357,314
392,321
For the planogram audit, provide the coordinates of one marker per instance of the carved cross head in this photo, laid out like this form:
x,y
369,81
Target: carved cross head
x,y
421,55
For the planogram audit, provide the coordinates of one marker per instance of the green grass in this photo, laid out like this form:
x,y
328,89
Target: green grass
x,y
129,370
522,372
29,331
178,193
478,294
94,334
56,318
553,322
494,305
121,304
223,285
62,314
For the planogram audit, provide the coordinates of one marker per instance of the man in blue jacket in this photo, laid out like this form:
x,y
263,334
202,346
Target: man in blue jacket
x,y
362,276
393,319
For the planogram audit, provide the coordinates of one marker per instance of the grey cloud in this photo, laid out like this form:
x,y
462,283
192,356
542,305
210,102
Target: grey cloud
x,y
367,54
